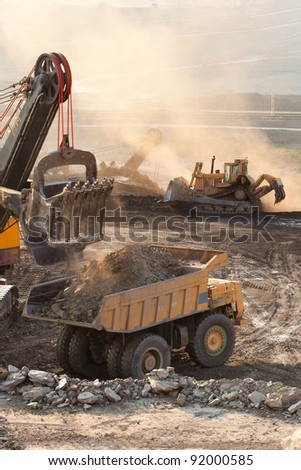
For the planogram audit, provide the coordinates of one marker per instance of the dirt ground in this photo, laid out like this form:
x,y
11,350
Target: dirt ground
x,y
144,424
269,348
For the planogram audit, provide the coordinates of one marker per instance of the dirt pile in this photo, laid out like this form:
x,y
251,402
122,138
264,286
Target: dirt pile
x,y
132,182
130,267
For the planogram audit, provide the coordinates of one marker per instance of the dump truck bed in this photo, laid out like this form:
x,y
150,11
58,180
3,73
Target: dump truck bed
x,y
143,307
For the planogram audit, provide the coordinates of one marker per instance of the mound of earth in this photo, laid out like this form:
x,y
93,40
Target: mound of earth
x,y
130,267
132,182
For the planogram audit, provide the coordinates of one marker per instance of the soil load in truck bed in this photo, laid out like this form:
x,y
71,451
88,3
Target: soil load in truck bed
x,y
128,268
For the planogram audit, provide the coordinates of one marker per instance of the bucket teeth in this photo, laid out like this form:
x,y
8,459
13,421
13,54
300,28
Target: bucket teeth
x,y
74,216
77,211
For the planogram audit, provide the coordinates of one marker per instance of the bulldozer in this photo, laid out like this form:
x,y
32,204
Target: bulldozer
x,y
232,191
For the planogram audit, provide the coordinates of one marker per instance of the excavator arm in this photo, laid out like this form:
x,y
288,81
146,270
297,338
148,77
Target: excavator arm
x,y
151,139
37,100
257,190
55,219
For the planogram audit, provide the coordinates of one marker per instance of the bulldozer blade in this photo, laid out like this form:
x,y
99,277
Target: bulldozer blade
x,y
178,193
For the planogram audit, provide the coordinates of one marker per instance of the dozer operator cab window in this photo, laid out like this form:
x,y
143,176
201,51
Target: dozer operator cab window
x,y
245,168
227,172
235,169
231,169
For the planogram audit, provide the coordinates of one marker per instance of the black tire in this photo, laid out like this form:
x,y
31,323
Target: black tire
x,y
213,342
114,357
80,357
143,354
62,348
10,313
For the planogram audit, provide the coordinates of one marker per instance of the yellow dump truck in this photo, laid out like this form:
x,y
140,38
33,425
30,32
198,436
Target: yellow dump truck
x,y
135,330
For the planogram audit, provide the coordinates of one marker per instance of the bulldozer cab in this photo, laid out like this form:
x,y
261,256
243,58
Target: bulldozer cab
x,y
234,169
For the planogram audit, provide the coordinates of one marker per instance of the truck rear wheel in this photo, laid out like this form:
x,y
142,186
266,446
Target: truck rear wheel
x,y
114,357
213,342
62,348
81,358
143,354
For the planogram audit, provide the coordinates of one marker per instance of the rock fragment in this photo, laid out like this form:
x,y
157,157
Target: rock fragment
x,y
111,395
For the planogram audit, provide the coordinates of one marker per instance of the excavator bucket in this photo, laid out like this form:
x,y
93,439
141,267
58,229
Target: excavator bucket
x,y
60,219
72,210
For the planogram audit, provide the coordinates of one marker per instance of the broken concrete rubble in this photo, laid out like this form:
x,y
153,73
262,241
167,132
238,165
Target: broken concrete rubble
x,y
41,390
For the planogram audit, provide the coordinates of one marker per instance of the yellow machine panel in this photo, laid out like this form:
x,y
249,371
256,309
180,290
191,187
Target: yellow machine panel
x,y
10,244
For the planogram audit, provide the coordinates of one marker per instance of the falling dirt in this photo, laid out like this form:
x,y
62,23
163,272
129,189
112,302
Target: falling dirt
x,y
130,267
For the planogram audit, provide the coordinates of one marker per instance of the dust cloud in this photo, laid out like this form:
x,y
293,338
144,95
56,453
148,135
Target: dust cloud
x,y
283,164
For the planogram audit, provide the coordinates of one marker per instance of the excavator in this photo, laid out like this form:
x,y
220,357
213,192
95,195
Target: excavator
x,y
57,219
232,191
151,139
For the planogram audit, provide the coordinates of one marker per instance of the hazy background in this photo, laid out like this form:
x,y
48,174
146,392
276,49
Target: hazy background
x,y
141,64
225,45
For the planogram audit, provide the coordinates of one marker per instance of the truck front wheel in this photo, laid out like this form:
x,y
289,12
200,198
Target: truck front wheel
x,y
214,341
143,354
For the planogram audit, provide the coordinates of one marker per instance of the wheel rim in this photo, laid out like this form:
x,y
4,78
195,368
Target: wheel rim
x,y
215,340
152,359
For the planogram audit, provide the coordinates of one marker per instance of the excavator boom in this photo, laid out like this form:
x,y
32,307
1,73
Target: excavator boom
x,y
30,113
151,139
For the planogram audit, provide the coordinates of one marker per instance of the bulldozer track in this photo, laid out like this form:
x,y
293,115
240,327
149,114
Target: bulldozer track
x,y
210,209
